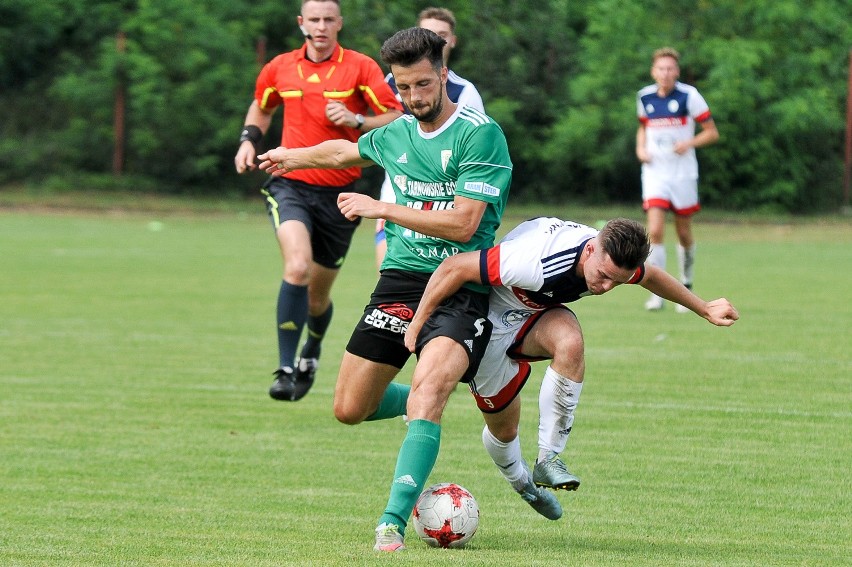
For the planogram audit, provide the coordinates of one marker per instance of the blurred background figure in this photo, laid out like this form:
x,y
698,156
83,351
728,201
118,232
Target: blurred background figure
x,y
665,144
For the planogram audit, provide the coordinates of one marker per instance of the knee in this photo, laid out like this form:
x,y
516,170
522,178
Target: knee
x,y
297,271
317,305
656,235
570,351
348,414
505,433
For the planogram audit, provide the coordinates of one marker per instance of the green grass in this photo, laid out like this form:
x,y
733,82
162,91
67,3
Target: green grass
x,y
135,428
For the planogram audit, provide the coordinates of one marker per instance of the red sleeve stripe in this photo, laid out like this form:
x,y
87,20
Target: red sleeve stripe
x,y
638,275
489,266
703,117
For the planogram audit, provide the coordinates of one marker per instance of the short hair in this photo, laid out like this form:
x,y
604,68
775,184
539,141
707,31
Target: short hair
x,y
412,45
666,52
626,242
441,14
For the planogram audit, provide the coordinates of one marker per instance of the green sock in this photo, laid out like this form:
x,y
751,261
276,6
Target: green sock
x,y
416,458
393,403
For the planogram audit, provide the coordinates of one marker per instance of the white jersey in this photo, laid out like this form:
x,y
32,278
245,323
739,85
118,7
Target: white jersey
x,y
462,91
668,120
535,267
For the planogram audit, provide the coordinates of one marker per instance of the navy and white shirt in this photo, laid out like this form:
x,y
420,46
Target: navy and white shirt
x,y
535,266
668,120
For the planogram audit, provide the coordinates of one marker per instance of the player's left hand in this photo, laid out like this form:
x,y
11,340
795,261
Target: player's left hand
x,y
720,312
411,333
354,205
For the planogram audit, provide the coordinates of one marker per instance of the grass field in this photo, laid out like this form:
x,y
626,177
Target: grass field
x,y
135,429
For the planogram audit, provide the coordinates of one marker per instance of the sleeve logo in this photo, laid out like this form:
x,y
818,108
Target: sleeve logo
x,y
483,188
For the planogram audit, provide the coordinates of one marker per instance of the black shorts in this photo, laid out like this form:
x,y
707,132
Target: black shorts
x,y
316,208
380,333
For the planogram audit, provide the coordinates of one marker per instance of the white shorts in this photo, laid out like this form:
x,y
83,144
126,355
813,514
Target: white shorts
x,y
503,371
680,195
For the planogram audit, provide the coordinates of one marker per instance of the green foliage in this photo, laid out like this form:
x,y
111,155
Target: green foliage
x,y
188,77
777,98
561,79
777,87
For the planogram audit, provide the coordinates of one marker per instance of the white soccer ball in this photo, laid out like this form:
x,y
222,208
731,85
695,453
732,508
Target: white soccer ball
x,y
446,515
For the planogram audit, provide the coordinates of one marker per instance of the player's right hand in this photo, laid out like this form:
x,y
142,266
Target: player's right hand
x,y
720,312
272,162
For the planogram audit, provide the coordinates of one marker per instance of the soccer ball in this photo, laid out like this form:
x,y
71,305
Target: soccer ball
x,y
446,515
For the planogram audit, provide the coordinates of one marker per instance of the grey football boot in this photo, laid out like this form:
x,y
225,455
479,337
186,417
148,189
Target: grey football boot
x,y
552,473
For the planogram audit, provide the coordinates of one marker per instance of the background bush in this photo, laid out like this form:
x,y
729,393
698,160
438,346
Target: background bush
x,y
560,78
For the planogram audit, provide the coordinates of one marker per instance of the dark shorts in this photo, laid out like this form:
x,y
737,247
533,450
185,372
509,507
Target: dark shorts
x,y
380,333
316,208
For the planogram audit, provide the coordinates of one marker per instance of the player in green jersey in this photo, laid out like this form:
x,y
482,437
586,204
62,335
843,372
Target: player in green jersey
x,y
451,173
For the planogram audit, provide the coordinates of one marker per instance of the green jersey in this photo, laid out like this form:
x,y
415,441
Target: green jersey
x,y
467,156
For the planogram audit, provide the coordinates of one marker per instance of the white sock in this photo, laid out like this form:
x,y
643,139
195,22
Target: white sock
x,y
556,403
657,257
686,261
507,457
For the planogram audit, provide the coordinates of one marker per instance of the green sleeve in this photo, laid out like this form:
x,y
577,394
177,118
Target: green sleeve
x,y
485,169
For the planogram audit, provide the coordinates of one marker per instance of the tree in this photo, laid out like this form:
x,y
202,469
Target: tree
x,y
561,79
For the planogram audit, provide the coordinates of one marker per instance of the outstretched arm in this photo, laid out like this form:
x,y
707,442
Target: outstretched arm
x,y
331,154
453,273
719,311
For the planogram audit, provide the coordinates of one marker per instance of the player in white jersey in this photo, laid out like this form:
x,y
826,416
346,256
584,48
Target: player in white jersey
x,y
537,267
665,144
459,90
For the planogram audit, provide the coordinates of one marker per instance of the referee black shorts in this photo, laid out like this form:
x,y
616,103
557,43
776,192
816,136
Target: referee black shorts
x,y
315,207
380,333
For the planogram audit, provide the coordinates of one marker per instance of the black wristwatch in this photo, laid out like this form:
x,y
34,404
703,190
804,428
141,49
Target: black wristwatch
x,y
359,119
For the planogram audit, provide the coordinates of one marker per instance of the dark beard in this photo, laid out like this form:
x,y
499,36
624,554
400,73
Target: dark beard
x,y
432,114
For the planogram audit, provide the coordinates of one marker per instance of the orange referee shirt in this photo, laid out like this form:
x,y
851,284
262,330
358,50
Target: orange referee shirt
x,y
304,88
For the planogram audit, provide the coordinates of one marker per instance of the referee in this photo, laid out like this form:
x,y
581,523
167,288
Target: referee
x,y
326,92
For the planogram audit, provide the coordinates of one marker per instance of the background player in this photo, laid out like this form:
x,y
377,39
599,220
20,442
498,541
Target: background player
x,y
665,144
326,91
